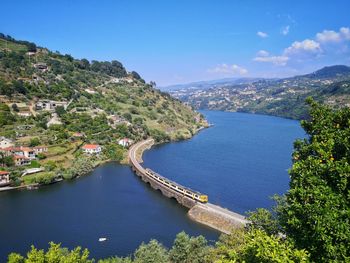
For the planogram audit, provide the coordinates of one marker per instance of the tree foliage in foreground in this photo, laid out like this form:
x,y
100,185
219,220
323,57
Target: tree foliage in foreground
x,y
55,254
316,211
256,245
241,246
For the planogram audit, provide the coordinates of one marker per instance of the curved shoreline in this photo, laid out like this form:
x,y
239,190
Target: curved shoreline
x,y
211,215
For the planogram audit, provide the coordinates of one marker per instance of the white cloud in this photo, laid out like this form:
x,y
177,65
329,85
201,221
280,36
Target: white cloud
x,y
228,69
330,36
285,30
305,46
327,42
262,34
276,60
345,32
262,53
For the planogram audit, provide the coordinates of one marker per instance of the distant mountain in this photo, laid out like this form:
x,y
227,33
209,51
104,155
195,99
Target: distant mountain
x,y
280,97
330,72
210,84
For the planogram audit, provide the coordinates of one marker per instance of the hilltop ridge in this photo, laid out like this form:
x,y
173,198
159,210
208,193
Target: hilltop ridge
x,y
284,97
30,74
81,113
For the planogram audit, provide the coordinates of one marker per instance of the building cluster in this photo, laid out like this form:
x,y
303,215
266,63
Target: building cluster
x,y
21,155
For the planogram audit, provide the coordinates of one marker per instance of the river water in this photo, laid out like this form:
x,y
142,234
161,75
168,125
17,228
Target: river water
x,y
239,162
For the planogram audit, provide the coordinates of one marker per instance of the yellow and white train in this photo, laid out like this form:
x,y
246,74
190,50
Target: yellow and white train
x,y
177,187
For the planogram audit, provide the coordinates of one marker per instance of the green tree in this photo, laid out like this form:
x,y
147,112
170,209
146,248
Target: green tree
x,y
31,47
55,254
15,107
34,142
34,164
152,252
116,260
127,116
6,117
256,246
15,258
81,166
159,135
189,249
6,160
41,156
50,165
265,220
19,86
114,152
60,110
316,210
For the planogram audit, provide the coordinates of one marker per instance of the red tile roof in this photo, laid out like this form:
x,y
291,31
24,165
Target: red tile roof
x,y
91,146
4,173
20,157
19,149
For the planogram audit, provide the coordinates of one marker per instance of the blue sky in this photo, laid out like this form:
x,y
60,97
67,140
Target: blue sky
x,y
179,41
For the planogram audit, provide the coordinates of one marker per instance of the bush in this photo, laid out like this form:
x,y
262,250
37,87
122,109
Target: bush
x,y
159,136
34,142
114,152
41,156
80,167
34,164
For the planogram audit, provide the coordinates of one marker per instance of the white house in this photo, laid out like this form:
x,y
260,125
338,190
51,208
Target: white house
x,y
92,148
4,178
125,142
24,114
40,149
50,105
5,142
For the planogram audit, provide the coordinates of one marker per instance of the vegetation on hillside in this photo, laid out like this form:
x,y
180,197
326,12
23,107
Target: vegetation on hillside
x,y
100,100
95,89
279,97
309,224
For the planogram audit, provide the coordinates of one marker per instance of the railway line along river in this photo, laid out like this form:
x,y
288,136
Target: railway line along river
x,y
239,163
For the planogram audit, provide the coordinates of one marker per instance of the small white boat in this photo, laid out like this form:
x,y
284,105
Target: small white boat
x,y
102,239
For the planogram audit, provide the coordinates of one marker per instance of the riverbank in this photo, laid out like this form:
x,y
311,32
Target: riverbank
x,y
95,164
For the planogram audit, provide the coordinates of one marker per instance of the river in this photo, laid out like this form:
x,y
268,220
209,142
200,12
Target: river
x,y
239,162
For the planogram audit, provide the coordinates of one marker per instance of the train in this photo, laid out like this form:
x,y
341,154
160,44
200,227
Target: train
x,y
177,187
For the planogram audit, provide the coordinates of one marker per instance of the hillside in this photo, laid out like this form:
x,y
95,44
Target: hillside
x,y
202,85
60,102
28,75
278,97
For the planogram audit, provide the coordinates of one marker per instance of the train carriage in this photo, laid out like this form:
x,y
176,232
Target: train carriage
x,y
177,187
